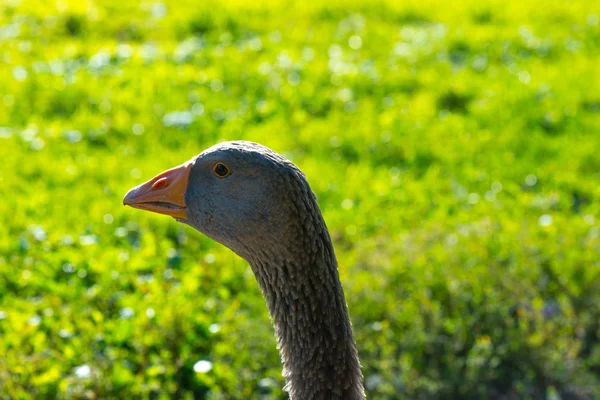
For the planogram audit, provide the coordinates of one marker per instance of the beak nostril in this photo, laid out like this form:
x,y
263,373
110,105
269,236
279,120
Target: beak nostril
x,y
162,182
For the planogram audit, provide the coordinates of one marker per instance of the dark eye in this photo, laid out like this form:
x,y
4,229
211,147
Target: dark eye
x,y
221,170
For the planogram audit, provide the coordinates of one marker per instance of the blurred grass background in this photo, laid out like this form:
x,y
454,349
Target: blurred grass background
x,y
454,149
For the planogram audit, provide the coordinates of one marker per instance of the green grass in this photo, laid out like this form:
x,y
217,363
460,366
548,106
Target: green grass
x,y
454,149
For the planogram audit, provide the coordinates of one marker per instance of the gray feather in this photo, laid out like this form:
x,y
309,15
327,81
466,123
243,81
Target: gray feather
x,y
266,212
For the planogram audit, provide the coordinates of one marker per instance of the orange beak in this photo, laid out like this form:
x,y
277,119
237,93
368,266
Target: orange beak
x,y
163,194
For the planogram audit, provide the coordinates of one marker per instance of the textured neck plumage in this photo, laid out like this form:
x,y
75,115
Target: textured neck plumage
x,y
313,329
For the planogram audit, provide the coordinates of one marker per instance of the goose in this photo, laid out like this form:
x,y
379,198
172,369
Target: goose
x,y
260,205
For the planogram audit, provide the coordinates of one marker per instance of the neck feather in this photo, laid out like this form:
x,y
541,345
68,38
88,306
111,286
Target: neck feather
x,y
307,305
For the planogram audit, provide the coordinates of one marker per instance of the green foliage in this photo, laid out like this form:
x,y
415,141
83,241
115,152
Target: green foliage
x,y
454,149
